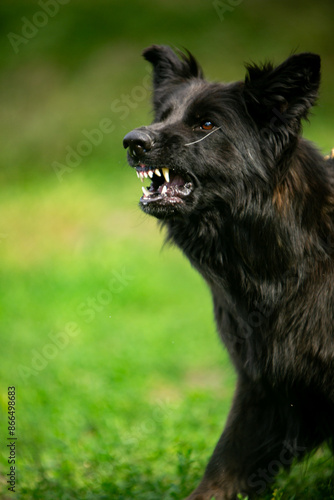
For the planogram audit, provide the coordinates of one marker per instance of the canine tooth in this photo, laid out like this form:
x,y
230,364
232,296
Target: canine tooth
x,y
165,171
137,174
150,173
145,192
164,190
157,172
141,176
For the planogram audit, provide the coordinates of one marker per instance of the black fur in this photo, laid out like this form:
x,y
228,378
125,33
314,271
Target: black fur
x,y
251,204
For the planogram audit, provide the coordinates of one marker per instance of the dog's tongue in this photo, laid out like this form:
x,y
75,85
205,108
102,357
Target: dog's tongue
x,y
176,180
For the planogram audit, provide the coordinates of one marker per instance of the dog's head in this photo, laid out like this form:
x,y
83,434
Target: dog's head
x,y
211,142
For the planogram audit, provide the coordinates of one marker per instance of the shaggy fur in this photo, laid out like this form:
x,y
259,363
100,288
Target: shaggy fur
x,y
251,204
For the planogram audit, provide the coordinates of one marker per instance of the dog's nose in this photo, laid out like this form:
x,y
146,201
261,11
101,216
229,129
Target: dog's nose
x,y
138,142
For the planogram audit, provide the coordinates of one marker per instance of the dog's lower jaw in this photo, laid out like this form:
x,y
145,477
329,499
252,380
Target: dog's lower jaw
x,y
171,210
159,212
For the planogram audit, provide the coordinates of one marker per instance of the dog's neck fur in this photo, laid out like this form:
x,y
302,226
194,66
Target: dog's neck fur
x,y
216,241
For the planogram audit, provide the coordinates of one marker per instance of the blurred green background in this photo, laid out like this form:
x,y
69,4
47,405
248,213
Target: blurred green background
x,y
122,386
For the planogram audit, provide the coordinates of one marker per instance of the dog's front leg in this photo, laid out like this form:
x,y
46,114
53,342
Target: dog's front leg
x,y
253,440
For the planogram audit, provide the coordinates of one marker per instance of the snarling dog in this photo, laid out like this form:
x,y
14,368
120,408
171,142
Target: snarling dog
x,y
251,204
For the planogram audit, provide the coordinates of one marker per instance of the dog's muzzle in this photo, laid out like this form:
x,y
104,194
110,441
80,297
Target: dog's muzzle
x,y
169,189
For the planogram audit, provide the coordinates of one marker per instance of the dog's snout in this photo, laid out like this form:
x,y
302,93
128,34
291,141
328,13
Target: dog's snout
x,y
138,142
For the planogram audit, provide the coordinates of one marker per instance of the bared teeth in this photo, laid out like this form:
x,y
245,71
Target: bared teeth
x,y
143,174
165,172
145,192
164,190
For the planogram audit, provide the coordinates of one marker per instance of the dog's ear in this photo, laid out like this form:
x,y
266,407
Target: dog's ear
x,y
168,68
278,98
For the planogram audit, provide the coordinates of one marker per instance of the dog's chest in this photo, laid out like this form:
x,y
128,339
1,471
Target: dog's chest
x,y
243,338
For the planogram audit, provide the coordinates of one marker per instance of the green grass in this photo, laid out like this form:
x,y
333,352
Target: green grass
x,y
122,386
132,405
66,78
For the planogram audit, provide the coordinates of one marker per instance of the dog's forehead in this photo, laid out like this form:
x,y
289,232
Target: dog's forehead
x,y
180,100
194,96
191,98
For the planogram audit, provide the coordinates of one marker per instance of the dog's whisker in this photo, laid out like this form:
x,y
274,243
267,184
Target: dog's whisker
x,y
202,138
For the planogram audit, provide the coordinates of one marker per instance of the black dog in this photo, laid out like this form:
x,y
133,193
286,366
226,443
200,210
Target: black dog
x,y
251,204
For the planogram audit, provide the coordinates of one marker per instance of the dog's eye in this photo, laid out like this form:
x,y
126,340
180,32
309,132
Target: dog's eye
x,y
207,125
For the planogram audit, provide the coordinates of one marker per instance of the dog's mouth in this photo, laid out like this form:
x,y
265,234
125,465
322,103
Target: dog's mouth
x,y
167,187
